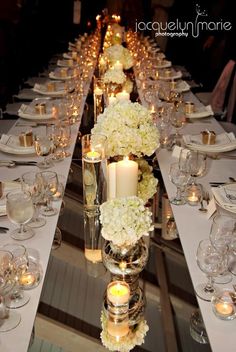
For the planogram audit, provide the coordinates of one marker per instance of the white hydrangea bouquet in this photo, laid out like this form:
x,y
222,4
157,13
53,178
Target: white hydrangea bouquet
x,y
118,52
134,338
147,185
114,75
125,220
129,129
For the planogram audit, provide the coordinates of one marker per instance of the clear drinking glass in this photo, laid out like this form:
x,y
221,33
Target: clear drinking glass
x,y
8,319
180,179
178,120
195,164
44,147
49,183
20,210
20,262
212,263
63,135
221,237
29,183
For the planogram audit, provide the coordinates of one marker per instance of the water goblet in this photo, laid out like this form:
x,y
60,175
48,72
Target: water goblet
x,y
49,183
8,319
44,147
20,210
63,135
196,164
178,120
180,179
29,183
20,262
212,263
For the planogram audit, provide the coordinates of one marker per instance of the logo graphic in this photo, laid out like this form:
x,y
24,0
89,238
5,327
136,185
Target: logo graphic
x,y
184,29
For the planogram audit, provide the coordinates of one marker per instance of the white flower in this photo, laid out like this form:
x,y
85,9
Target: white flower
x,y
114,76
119,53
147,185
134,338
125,220
128,86
129,129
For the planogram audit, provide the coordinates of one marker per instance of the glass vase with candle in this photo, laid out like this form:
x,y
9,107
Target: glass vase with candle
x,y
94,192
223,304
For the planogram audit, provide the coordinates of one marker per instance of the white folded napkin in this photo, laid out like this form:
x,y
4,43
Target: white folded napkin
x,y
224,142
165,64
7,187
220,194
27,111
182,86
204,112
11,144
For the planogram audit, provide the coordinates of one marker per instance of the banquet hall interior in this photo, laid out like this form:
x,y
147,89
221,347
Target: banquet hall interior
x,y
117,135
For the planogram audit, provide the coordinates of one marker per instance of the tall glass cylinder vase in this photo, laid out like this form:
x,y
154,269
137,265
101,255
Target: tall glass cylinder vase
x,y
94,193
98,90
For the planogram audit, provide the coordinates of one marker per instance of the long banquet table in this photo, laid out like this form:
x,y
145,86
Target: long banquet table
x,y
193,225
42,240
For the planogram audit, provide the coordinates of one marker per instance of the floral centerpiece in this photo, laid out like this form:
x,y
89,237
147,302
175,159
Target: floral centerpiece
x,y
131,220
129,129
128,86
118,52
113,75
147,185
135,336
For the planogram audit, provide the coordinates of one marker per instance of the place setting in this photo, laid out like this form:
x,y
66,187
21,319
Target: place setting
x,y
54,88
63,73
40,109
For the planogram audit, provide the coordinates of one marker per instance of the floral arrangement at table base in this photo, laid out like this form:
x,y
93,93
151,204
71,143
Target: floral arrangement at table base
x,y
125,222
134,338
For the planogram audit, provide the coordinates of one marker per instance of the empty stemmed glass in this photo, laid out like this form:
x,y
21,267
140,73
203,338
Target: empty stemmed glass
x,y
29,183
44,147
20,210
8,319
177,120
221,236
212,263
20,262
180,179
63,135
49,185
195,164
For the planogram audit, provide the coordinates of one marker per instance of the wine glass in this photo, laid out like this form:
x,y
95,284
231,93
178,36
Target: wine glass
x,y
20,262
63,135
49,183
212,263
195,164
20,210
8,319
44,146
177,119
29,183
180,179
221,237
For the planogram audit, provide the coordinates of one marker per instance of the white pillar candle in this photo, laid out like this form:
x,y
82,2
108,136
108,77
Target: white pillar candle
x,y
118,65
123,96
111,180
126,178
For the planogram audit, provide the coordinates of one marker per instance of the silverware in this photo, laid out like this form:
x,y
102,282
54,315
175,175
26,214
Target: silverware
x,y
3,229
206,197
203,209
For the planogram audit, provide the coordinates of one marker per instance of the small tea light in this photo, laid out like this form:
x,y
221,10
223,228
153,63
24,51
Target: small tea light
x,y
27,280
224,304
193,194
189,107
92,156
118,293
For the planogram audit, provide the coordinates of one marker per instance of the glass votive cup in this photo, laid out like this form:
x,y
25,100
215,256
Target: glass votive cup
x,y
193,194
224,304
